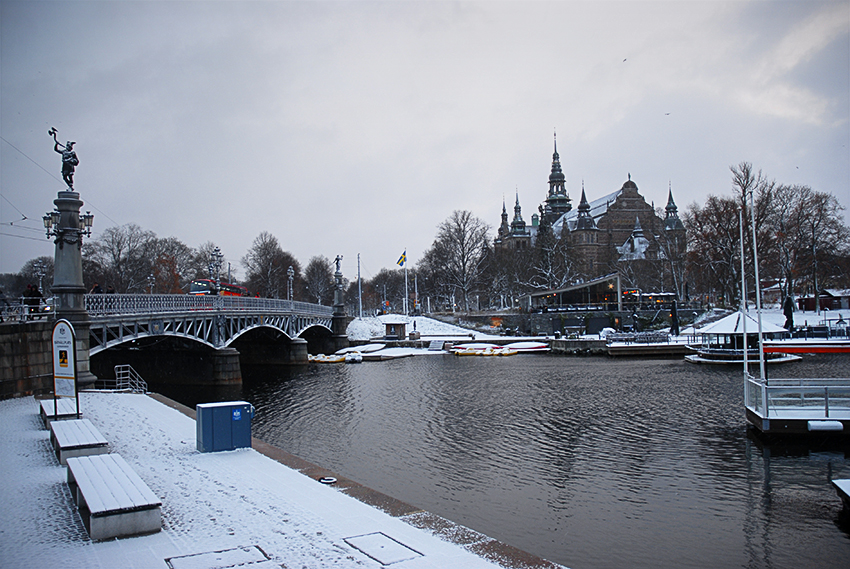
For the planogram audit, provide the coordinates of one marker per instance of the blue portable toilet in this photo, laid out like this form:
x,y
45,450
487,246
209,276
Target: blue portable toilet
x,y
223,426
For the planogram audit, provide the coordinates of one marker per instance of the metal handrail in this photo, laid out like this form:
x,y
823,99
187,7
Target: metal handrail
x,y
128,378
808,393
115,304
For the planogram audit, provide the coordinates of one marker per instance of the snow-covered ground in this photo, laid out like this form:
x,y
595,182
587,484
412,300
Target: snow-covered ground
x,y
211,501
375,327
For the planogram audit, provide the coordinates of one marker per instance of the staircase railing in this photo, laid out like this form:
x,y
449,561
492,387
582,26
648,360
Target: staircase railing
x,y
128,378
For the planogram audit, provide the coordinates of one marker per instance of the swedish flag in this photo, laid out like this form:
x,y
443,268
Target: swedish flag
x,y
402,259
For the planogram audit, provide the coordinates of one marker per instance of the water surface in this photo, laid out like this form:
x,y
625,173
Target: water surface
x,y
590,462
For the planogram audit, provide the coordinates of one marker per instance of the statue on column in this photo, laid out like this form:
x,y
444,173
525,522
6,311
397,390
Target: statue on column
x,y
69,158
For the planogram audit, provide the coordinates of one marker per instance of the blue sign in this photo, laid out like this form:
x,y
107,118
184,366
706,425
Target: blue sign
x,y
237,414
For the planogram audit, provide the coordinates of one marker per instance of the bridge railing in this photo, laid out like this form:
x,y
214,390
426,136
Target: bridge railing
x,y
116,304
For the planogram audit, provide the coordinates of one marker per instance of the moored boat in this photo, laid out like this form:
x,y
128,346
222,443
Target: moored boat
x,y
723,342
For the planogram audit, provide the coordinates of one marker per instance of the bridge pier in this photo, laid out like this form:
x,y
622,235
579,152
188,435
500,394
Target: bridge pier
x,y
225,367
298,351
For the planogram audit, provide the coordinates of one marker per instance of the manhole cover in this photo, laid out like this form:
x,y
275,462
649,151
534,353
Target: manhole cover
x,y
235,557
382,548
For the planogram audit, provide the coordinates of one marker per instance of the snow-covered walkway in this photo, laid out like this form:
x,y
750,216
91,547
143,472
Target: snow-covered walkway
x,y
211,502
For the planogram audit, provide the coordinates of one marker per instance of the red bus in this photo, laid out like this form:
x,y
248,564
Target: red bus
x,y
207,286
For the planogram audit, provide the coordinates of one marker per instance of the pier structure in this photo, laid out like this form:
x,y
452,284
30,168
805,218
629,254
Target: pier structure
x,y
798,406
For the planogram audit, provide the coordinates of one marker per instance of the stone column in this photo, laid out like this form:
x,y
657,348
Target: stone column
x,y
68,287
226,368
339,322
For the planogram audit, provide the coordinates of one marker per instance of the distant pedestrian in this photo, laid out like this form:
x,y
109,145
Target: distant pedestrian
x,y
32,299
4,304
110,289
96,289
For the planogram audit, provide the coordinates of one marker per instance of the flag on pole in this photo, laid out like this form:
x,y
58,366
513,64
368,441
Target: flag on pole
x,y
402,259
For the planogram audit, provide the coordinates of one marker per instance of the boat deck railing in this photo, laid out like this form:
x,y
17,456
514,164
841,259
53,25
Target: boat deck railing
x,y
799,397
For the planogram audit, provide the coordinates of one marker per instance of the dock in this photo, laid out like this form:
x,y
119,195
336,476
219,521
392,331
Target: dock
x,y
799,406
843,488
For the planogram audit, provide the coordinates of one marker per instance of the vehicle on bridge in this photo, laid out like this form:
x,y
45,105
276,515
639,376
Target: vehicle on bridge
x,y
207,286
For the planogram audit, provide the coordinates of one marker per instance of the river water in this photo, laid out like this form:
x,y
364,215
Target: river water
x,y
590,462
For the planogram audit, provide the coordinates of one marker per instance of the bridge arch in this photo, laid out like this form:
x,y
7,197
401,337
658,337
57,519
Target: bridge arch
x,y
211,320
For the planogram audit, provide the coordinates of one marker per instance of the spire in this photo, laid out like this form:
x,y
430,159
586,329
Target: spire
x,y
518,225
517,209
557,201
671,205
585,220
638,230
671,218
556,177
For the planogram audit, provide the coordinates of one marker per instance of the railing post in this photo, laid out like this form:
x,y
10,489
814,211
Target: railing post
x,y
826,401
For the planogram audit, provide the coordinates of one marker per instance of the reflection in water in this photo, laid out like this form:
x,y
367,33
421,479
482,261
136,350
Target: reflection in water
x,y
590,462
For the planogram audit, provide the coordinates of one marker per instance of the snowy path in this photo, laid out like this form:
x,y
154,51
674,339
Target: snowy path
x,y
211,501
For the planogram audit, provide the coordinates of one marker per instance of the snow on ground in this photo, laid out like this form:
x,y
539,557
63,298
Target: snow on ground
x,y
211,501
374,327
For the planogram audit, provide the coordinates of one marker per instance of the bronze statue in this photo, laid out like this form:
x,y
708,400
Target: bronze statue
x,y
69,158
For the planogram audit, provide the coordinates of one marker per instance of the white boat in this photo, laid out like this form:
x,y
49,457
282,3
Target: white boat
x,y
528,347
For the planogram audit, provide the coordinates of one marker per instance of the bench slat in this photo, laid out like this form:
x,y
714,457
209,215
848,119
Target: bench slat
x,y
76,433
65,406
94,489
135,489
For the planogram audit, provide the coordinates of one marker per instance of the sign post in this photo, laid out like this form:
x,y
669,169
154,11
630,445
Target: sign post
x,y
64,364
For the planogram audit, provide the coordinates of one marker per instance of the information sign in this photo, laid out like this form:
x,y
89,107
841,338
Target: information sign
x,y
64,360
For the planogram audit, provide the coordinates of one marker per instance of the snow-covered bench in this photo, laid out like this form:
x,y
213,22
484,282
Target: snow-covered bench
x,y
76,437
113,501
65,408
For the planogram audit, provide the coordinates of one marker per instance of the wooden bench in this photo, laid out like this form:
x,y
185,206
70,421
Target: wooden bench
x,y
76,437
67,409
113,501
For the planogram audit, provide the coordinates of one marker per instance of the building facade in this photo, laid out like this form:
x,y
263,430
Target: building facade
x,y
618,232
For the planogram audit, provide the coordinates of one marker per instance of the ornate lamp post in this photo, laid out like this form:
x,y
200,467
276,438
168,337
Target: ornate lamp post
x,y
215,267
39,271
290,272
151,282
67,226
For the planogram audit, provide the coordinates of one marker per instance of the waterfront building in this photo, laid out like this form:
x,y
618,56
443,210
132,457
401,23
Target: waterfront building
x,y
617,233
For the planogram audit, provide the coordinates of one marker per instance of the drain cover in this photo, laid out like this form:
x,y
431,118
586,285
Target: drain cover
x,y
382,548
238,556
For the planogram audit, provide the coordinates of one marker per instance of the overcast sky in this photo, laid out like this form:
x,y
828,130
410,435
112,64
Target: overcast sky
x,y
358,127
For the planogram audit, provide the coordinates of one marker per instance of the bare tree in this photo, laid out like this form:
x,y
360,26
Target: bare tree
x,y
714,246
267,264
458,253
319,280
118,258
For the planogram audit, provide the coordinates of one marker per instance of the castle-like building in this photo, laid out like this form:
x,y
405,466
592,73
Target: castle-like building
x,y
618,232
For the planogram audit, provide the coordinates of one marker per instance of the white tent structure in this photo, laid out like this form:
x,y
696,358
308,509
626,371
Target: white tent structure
x,y
734,324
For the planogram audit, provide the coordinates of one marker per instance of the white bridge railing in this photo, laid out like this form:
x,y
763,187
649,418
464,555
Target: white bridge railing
x,y
118,304
812,397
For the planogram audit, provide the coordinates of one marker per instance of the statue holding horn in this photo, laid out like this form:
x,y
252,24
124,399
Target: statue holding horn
x,y
69,158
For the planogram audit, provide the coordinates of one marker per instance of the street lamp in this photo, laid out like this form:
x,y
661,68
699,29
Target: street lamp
x,y
290,272
215,265
39,271
151,282
67,234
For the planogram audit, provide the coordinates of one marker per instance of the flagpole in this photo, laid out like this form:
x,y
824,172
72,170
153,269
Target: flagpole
x,y
405,282
359,288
